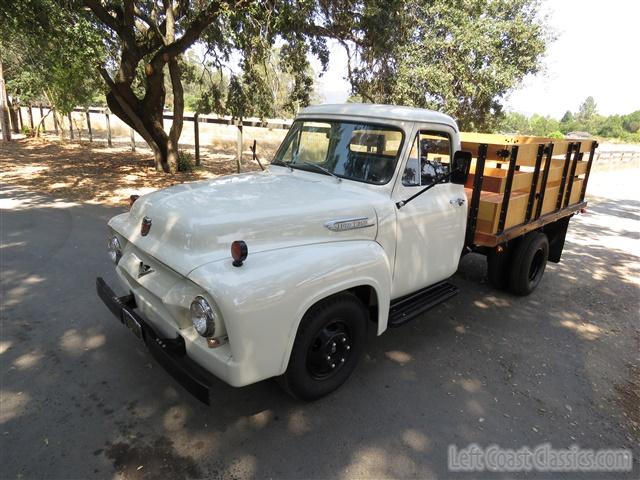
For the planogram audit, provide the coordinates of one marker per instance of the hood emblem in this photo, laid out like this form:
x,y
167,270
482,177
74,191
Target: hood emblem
x,y
145,226
343,224
144,269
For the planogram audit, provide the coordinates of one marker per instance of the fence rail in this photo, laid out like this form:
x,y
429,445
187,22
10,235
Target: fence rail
x,y
603,157
197,119
618,157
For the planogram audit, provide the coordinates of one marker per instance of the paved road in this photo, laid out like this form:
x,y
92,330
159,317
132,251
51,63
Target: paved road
x,y
82,398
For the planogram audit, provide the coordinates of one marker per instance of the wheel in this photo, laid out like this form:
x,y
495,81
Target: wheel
x,y
328,345
528,262
498,268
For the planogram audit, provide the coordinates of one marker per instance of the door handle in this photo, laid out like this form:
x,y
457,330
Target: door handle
x,y
457,201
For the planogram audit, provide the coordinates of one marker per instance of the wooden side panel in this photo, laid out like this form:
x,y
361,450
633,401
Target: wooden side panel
x,y
575,190
488,138
495,180
560,148
499,149
550,197
489,210
527,154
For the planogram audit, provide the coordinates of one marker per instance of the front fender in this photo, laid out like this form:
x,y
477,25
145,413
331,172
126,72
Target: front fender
x,y
263,301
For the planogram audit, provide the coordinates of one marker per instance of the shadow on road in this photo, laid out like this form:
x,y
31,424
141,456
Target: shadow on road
x,y
82,397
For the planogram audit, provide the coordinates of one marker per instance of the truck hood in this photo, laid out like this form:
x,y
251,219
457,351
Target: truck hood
x,y
194,224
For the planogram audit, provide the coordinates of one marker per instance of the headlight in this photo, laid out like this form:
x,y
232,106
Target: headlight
x,y
115,250
203,317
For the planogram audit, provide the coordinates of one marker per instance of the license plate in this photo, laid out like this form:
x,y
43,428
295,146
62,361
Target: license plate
x,y
132,324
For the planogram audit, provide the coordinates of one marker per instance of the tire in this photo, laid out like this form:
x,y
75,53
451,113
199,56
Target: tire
x,y
498,268
528,262
331,330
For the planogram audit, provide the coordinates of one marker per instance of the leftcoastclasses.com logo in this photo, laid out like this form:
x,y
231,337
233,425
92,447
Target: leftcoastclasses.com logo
x,y
542,458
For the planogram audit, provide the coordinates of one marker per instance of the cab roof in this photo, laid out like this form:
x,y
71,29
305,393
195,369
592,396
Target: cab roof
x,y
378,111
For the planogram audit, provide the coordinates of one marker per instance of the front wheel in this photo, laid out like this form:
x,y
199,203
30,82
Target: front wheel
x,y
528,263
328,345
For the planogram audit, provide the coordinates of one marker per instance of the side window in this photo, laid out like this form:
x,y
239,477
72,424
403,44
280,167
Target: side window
x,y
429,159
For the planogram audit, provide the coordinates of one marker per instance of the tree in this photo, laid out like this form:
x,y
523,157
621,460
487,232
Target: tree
x,y
611,127
542,126
567,117
631,122
147,37
4,109
37,68
587,111
458,57
587,118
514,122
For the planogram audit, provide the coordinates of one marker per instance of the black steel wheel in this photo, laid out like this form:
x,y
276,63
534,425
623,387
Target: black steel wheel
x,y
327,347
329,350
528,263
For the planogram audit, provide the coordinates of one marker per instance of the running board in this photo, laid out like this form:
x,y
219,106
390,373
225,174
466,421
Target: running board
x,y
410,306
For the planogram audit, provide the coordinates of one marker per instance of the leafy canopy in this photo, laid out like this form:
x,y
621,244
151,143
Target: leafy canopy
x,y
50,54
587,119
460,57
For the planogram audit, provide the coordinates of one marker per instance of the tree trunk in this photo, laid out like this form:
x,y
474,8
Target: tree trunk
x,y
178,113
149,125
4,109
146,116
13,114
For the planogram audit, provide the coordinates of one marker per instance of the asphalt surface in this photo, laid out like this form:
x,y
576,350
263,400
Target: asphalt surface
x,y
82,398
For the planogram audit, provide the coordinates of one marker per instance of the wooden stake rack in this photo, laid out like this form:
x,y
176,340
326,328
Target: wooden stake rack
x,y
519,183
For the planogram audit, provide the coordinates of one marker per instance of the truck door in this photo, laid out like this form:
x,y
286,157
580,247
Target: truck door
x,y
430,228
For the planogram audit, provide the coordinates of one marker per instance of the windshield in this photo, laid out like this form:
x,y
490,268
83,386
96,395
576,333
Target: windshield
x,y
351,150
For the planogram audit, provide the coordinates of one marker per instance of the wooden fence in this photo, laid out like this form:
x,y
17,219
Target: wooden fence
x,y
604,158
196,119
617,158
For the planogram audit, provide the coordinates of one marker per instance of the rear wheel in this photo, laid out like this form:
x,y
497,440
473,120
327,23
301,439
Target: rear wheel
x,y
528,262
327,347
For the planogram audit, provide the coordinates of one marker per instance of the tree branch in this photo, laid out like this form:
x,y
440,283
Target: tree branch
x,y
103,15
191,34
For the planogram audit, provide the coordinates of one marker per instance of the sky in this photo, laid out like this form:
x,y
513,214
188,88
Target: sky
x,y
597,53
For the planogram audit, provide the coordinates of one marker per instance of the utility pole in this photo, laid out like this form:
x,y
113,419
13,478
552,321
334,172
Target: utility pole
x,y
4,109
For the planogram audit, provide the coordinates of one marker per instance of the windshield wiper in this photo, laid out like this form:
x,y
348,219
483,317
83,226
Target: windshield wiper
x,y
322,169
283,164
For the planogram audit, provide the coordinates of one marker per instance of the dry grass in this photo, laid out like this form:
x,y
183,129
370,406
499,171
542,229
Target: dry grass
x,y
92,173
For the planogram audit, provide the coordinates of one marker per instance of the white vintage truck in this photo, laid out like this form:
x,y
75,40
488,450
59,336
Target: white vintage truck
x,y
357,223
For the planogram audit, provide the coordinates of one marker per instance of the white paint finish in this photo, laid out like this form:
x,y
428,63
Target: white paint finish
x,y
372,112
430,229
263,301
193,224
430,237
294,260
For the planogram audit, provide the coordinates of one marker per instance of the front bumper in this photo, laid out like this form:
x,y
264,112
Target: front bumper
x,y
170,353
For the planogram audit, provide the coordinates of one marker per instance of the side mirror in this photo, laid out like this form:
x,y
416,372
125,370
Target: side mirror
x,y
460,167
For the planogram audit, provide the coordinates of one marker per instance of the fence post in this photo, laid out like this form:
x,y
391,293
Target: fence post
x,y
133,139
239,146
55,120
89,125
44,126
20,122
31,116
196,137
106,114
70,126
